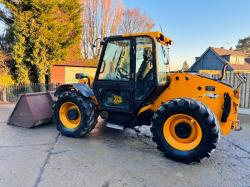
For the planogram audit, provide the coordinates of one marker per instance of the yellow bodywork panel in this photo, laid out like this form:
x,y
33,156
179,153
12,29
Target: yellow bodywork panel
x,y
159,36
82,81
186,85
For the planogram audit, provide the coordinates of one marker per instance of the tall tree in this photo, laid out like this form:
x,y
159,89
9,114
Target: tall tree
x,y
244,45
5,77
185,66
43,31
3,58
6,40
135,21
100,18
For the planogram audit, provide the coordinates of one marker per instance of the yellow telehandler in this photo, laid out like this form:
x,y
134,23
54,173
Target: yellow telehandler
x,y
133,85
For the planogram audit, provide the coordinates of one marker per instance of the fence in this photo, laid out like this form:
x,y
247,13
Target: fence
x,y
232,79
12,93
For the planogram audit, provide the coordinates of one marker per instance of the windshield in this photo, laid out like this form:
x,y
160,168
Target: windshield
x,y
116,61
162,63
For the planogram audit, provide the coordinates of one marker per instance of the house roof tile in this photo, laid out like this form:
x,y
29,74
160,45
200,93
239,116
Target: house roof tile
x,y
78,63
225,52
241,67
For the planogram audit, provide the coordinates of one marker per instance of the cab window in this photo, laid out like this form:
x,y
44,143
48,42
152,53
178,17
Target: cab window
x,y
162,63
144,66
116,61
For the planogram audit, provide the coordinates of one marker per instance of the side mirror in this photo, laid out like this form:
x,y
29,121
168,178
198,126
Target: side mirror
x,y
102,43
79,76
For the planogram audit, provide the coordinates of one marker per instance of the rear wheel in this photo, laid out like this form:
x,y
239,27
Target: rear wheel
x,y
74,114
185,130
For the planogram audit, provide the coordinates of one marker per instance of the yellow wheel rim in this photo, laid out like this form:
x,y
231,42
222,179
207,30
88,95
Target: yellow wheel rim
x,y
182,132
63,115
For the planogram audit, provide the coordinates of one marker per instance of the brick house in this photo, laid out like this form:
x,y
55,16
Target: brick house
x,y
64,71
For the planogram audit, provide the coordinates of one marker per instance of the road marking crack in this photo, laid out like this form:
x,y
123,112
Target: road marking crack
x,y
239,147
60,152
22,145
50,152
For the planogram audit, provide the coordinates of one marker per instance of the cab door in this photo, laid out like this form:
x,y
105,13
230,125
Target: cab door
x,y
114,81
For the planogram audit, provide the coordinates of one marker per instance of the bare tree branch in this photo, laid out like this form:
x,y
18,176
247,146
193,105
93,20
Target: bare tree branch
x,y
101,18
135,21
12,7
5,18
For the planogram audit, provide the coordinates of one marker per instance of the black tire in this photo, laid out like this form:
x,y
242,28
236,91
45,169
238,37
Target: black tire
x,y
87,112
203,115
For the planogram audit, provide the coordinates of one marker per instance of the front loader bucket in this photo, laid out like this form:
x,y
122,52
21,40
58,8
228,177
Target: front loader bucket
x,y
32,109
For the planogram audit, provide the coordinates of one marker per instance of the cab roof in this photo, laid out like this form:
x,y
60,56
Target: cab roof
x,y
159,36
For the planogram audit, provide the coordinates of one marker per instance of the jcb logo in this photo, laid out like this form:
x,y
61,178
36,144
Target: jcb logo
x,y
117,99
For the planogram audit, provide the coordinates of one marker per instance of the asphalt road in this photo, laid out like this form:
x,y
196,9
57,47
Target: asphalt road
x,y
42,157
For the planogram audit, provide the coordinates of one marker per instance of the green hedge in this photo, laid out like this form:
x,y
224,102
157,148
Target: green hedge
x,y
6,80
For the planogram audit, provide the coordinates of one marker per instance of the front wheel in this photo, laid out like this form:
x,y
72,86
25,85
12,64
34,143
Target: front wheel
x,y
185,130
74,114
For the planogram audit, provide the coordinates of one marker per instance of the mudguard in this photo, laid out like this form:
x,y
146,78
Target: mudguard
x,y
83,89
